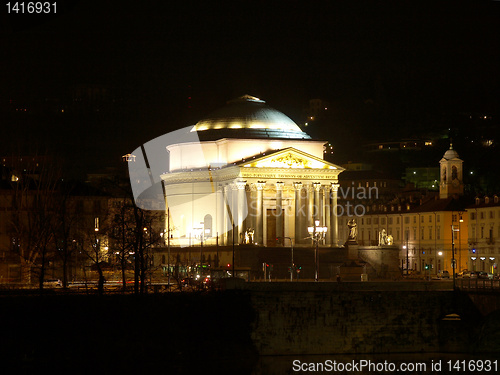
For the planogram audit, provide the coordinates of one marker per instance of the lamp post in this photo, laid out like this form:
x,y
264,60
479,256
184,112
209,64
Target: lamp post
x,y
460,220
317,233
453,230
199,232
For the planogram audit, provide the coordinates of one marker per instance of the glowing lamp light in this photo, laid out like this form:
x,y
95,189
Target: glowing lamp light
x,y
440,253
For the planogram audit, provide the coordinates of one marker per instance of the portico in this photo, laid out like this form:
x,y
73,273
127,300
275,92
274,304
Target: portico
x,y
275,195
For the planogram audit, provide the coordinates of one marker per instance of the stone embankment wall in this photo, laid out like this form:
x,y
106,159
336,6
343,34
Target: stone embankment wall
x,y
331,318
118,332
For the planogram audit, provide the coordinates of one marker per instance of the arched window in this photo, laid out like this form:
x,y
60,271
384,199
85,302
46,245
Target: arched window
x,y
207,223
454,172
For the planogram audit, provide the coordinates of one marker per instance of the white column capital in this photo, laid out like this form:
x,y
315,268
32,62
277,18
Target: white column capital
x,y
316,186
297,185
280,185
241,185
335,187
260,185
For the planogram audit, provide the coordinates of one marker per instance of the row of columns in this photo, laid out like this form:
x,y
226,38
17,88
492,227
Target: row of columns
x,y
316,204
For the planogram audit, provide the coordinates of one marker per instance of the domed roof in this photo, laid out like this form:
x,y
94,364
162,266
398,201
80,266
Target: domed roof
x,y
451,153
249,117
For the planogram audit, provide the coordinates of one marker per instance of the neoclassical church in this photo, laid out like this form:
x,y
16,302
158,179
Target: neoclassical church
x,y
247,173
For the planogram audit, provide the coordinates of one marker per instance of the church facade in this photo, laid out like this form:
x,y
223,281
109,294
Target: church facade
x,y
254,177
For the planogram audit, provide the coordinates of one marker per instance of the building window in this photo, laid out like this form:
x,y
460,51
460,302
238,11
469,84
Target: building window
x,y
473,216
438,233
482,215
389,221
422,219
438,218
430,218
422,233
473,231
382,221
482,232
453,218
397,220
414,233
407,220
207,224
375,220
368,221
492,215
430,233
414,219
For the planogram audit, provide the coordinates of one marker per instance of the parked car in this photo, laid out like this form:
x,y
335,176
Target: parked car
x,y
473,275
443,275
484,275
465,274
52,283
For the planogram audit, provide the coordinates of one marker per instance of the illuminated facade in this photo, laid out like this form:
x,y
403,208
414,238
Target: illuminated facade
x,y
259,174
424,232
484,232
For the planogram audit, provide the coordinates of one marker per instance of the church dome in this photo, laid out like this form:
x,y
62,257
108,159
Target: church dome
x,y
248,117
450,154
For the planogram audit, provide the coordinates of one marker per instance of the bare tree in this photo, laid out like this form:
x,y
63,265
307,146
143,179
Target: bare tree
x,y
122,234
34,187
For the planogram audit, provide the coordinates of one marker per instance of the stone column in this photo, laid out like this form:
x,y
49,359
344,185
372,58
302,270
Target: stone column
x,y
310,206
279,211
327,222
334,217
234,214
259,220
317,202
298,212
221,214
227,213
241,210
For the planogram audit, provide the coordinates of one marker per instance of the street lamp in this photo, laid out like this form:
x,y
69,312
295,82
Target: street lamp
x,y
199,233
460,220
317,233
453,266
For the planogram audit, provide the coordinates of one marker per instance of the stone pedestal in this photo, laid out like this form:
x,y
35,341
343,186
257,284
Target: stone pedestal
x,y
352,250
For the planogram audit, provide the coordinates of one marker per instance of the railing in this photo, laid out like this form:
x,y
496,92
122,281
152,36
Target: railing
x,y
478,285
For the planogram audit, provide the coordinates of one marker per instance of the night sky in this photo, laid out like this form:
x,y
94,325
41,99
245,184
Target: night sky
x,y
389,69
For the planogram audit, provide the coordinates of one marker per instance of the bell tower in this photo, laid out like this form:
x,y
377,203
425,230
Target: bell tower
x,y
451,168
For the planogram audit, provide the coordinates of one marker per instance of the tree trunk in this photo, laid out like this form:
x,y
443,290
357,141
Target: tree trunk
x,y
100,285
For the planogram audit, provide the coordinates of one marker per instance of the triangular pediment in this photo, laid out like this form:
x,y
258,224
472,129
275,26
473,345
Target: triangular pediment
x,y
289,158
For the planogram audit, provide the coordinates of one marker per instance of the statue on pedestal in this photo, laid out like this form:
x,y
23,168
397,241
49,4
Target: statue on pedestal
x,y
249,236
353,231
382,238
